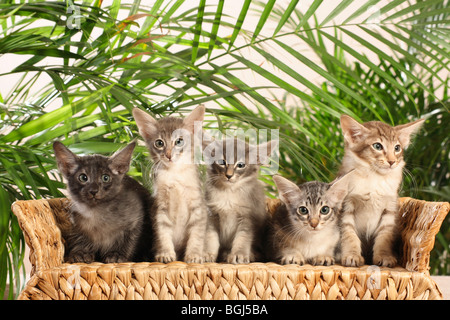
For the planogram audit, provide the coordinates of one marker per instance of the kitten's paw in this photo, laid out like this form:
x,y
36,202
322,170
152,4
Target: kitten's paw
x,y
238,258
385,261
352,260
81,257
114,258
165,257
210,257
293,259
322,261
193,258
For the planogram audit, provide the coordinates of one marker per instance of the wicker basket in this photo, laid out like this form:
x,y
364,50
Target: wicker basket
x,y
44,223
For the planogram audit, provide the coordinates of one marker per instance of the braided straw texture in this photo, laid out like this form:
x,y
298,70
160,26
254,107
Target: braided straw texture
x,y
45,223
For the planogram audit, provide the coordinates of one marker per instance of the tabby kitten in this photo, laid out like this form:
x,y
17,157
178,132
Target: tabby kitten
x,y
179,218
236,202
305,228
374,150
109,209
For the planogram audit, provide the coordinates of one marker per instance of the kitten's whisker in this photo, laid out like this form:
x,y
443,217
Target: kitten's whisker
x,y
292,233
154,169
414,188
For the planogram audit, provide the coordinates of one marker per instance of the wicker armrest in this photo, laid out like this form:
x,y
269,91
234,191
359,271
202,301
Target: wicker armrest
x,y
420,223
44,224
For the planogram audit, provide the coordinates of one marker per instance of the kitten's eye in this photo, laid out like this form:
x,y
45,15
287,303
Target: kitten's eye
x,y
106,178
397,148
159,143
240,165
325,210
221,162
179,142
377,146
303,210
83,178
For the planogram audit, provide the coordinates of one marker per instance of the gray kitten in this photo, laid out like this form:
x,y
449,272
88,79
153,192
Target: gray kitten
x,y
305,228
236,201
179,217
109,210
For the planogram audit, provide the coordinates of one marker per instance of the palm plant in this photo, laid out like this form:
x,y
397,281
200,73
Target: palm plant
x,y
97,61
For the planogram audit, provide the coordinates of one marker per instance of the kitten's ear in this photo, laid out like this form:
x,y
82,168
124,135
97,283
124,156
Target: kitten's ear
x,y
145,122
265,149
119,163
406,131
352,129
339,187
287,190
196,115
66,160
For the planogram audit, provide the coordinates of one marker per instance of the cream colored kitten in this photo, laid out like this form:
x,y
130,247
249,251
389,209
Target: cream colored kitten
x,y
180,212
374,150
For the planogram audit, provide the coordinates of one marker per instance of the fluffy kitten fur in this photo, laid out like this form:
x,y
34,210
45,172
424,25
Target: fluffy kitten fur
x,y
374,150
236,203
305,228
109,209
179,217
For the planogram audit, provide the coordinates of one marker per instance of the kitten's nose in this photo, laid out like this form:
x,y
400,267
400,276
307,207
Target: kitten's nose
x,y
391,163
169,154
229,172
314,222
93,192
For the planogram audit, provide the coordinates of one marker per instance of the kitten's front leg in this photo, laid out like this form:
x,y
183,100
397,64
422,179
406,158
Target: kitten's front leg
x,y
212,242
241,247
350,242
123,248
165,249
80,249
197,233
383,254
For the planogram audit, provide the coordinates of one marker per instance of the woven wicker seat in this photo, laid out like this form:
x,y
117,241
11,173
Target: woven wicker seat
x,y
44,223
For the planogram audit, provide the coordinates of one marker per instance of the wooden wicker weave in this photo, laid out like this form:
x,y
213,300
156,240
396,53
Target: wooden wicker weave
x,y
44,223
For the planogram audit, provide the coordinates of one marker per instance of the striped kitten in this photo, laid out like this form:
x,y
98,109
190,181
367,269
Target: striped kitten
x,y
374,150
179,217
305,228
